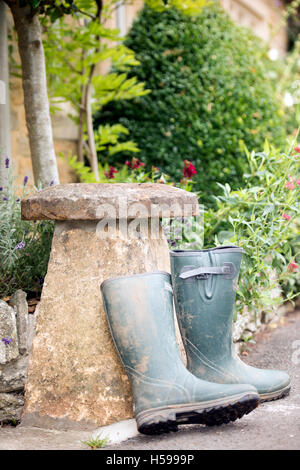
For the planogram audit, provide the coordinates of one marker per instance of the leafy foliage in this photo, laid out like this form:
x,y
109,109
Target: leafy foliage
x,y
24,247
75,51
131,172
188,7
209,95
262,218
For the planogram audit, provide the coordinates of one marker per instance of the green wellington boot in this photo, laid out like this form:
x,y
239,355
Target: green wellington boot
x,y
204,291
139,311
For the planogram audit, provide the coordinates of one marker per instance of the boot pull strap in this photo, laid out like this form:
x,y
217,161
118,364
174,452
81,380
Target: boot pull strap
x,y
228,270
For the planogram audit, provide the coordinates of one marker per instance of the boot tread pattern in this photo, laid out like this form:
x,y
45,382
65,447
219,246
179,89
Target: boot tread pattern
x,y
169,420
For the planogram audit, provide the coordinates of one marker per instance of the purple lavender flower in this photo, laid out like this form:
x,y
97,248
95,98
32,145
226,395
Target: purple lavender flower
x,y
25,180
1,188
5,198
51,183
6,341
7,162
20,246
18,199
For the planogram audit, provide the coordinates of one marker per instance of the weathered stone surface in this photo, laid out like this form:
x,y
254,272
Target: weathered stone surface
x,y
13,374
10,406
18,300
75,376
87,201
8,330
32,319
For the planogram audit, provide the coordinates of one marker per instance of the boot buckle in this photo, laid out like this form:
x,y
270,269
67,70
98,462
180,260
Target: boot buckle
x,y
205,272
228,270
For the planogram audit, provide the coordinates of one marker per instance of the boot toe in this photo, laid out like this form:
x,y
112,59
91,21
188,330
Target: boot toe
x,y
273,383
237,389
270,384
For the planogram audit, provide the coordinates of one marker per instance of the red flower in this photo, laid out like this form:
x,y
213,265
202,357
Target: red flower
x,y
135,163
286,216
189,170
297,149
293,267
110,174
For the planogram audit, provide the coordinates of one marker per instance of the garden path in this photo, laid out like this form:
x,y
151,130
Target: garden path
x,y
273,425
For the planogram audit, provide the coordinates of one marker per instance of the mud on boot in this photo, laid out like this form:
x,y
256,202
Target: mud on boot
x,y
140,315
204,285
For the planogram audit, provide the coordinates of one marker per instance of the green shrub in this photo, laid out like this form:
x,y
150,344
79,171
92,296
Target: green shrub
x,y
263,219
210,92
24,247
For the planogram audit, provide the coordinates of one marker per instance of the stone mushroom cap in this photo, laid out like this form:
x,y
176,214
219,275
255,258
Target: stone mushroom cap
x,y
93,201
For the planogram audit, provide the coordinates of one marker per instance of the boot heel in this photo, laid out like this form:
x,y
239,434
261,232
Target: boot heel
x,y
157,421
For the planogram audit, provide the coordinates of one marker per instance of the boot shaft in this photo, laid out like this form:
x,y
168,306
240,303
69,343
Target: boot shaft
x,y
204,285
139,310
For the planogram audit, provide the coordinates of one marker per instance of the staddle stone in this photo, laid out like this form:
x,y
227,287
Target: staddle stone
x,y
82,201
75,378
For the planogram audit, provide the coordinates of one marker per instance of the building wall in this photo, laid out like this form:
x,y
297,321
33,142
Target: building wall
x,y
255,14
64,132
20,143
263,17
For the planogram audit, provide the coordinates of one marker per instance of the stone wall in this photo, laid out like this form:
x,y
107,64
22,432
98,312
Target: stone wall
x,y
17,327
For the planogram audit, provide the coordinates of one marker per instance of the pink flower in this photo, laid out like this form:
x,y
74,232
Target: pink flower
x,y
297,149
189,170
286,216
289,185
293,267
298,182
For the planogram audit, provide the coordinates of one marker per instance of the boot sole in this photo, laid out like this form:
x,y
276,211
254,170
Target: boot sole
x,y
284,392
211,413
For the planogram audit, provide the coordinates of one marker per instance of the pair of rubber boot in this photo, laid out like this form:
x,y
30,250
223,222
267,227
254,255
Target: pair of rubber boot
x,y
216,386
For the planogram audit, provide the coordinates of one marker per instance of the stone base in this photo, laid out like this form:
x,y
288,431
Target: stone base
x,y
75,378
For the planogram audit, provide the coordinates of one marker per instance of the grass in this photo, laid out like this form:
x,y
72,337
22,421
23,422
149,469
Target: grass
x,y
96,442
